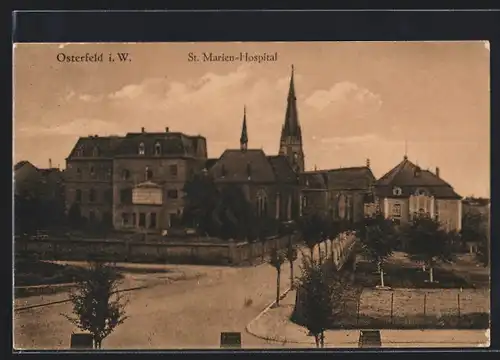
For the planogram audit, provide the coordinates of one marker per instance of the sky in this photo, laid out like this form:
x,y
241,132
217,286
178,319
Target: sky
x,y
356,100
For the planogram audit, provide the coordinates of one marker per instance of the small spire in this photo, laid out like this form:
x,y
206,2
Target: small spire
x,y
406,150
244,133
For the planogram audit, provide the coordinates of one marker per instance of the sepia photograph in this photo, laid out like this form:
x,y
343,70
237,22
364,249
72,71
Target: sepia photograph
x,y
251,195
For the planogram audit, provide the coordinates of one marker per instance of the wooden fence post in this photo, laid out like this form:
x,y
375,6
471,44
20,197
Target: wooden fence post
x,y
425,304
458,304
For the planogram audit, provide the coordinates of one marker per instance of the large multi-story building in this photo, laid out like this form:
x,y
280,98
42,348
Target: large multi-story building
x,y
132,182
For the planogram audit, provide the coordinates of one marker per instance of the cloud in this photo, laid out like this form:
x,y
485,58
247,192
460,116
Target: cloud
x,y
90,98
77,127
342,93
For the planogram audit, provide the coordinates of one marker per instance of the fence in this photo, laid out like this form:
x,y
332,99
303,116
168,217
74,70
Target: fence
x,y
175,252
412,307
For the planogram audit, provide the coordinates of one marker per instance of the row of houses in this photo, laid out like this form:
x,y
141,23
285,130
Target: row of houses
x,y
135,182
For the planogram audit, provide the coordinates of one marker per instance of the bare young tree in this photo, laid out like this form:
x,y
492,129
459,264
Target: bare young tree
x,y
291,256
276,259
98,307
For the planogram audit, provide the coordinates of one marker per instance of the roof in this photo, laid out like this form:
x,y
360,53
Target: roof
x,y
101,146
476,201
171,144
410,177
314,180
209,163
352,178
20,164
282,169
252,165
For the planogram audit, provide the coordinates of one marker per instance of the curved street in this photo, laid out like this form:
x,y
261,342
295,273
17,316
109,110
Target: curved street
x,y
178,315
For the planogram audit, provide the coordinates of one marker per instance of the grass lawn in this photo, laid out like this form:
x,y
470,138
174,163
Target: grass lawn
x,y
30,272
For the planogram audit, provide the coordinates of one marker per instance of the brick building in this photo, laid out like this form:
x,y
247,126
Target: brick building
x,y
340,194
133,182
408,190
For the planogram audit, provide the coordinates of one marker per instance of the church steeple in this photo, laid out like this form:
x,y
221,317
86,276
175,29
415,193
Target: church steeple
x,y
291,133
244,134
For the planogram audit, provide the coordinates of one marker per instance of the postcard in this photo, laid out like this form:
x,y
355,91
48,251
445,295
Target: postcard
x,y
271,195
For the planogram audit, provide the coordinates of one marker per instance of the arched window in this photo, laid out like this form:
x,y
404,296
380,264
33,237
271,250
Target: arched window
x,y
261,203
149,173
157,148
142,149
91,195
125,174
396,211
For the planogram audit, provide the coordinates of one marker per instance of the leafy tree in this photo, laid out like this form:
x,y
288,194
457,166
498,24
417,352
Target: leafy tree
x,y
475,228
428,242
378,241
276,260
312,229
97,306
291,256
320,296
201,196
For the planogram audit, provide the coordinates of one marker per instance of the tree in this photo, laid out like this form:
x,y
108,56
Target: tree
x,y
320,296
277,259
201,196
98,307
378,241
312,229
475,229
291,256
428,242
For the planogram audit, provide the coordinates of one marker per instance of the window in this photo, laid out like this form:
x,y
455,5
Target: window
x,y
125,219
125,174
126,196
92,171
223,171
134,219
91,216
421,212
108,173
261,203
142,149
79,151
420,192
396,210
108,196
173,170
78,195
96,151
78,173
397,191
152,220
172,194
91,195
157,148
149,173
142,220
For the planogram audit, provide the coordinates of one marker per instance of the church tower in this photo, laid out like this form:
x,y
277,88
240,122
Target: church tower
x,y
244,134
291,133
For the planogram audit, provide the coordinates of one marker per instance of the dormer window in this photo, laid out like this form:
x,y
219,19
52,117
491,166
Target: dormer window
x,y
417,171
397,191
157,148
79,151
142,149
420,192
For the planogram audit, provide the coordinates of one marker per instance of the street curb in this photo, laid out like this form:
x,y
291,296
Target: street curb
x,y
21,308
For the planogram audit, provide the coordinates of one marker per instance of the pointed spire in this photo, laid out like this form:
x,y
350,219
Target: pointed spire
x,y
244,134
291,126
406,150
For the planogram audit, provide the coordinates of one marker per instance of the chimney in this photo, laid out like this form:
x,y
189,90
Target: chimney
x,y
50,163
167,129
437,171
367,163
142,129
